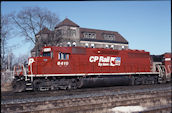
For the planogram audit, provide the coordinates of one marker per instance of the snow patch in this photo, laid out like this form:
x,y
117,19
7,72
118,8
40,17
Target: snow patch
x,y
127,109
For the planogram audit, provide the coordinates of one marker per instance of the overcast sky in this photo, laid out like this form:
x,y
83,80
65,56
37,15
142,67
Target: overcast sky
x,y
145,24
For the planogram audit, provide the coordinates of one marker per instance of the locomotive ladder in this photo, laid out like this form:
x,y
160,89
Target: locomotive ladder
x,y
162,74
26,81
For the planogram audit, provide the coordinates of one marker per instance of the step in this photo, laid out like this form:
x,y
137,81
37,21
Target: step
x,y
29,88
28,84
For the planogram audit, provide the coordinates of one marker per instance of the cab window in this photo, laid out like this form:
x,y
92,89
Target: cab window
x,y
63,56
46,54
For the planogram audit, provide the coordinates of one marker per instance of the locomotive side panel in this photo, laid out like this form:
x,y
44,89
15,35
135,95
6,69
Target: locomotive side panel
x,y
98,62
90,61
102,63
139,61
167,62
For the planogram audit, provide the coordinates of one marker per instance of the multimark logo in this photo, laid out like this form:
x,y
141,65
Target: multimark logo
x,y
105,61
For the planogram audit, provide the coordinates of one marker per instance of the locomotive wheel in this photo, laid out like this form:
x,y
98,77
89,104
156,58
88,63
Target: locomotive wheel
x,y
138,81
19,86
72,84
150,80
36,85
79,83
155,80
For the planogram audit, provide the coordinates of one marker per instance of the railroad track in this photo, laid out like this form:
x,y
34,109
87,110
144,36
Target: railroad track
x,y
157,98
5,96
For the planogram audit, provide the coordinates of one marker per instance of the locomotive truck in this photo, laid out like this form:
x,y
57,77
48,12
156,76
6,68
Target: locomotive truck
x,y
77,67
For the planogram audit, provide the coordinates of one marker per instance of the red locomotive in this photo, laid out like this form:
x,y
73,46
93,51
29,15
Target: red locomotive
x,y
76,67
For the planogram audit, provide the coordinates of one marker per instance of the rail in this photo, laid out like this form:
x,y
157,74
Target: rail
x,y
153,98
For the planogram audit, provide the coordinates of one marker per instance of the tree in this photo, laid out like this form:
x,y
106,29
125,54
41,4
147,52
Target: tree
x,y
6,29
32,20
22,59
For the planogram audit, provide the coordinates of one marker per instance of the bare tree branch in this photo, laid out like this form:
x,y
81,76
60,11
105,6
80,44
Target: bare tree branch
x,y
25,32
6,29
32,20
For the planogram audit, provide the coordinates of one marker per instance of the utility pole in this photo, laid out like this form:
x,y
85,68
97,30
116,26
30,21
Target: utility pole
x,y
9,61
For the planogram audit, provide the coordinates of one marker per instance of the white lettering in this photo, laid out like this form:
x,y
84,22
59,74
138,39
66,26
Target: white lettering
x,y
91,59
101,59
31,60
106,61
96,58
60,63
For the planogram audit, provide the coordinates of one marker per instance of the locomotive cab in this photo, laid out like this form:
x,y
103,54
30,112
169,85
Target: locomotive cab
x,y
34,63
50,62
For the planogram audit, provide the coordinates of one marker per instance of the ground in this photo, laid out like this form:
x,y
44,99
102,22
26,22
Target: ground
x,y
6,87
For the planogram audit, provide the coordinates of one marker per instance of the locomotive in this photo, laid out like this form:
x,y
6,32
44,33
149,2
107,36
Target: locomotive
x,y
77,67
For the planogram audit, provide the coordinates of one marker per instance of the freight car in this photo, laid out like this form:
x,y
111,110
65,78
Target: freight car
x,y
76,67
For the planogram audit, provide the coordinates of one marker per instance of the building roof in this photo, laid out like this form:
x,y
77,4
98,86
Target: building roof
x,y
100,38
67,22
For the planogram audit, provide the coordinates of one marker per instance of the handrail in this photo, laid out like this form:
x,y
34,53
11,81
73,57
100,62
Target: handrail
x,y
17,72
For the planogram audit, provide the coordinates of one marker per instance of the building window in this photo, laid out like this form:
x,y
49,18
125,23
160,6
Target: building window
x,y
89,35
58,33
71,32
109,37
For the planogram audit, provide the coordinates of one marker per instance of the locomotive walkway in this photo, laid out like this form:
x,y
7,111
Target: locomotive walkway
x,y
150,98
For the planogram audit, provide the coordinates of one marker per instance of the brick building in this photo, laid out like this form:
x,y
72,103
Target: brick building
x,y
68,33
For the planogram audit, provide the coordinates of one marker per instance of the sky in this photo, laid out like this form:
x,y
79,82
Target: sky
x,y
146,25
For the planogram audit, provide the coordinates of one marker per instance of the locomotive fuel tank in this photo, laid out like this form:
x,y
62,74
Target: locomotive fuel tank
x,y
105,81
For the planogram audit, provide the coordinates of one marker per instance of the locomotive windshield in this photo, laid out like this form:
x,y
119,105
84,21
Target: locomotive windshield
x,y
46,54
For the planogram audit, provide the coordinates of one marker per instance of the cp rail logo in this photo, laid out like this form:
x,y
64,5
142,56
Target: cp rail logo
x,y
105,61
